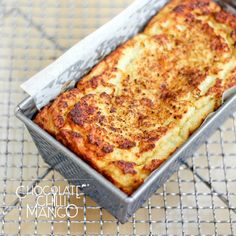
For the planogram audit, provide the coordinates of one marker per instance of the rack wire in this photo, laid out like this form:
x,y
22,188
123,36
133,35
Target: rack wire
x,y
200,199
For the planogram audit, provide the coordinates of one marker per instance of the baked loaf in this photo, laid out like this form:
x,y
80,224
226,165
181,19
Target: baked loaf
x,y
141,102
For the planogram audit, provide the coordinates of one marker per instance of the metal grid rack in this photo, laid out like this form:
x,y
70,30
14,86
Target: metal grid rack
x,y
200,199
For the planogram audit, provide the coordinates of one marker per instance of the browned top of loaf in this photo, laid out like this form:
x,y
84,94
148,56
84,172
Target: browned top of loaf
x,y
144,100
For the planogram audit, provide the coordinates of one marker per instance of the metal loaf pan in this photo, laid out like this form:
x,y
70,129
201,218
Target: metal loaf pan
x,y
100,189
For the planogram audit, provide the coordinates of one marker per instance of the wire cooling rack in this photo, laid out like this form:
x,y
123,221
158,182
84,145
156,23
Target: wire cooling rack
x,y
200,199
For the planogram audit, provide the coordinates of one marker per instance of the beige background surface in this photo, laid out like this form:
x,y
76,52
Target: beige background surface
x,y
33,34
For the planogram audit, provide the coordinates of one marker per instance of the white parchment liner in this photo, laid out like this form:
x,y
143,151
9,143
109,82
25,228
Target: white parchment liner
x,y
63,73
73,64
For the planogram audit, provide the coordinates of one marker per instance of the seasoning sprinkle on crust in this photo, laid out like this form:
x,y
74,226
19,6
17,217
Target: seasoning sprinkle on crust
x,y
143,101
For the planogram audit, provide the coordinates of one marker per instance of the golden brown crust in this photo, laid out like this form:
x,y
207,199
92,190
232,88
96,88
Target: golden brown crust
x,y
140,103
